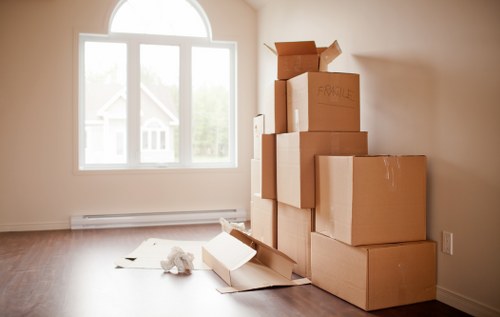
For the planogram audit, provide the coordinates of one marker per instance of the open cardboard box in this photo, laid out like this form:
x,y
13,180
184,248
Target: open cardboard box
x,y
295,58
245,263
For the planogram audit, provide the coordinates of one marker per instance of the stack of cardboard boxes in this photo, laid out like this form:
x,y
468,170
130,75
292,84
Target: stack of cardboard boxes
x,y
353,223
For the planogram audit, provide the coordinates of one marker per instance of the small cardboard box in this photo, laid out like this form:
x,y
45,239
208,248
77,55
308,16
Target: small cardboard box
x,y
295,154
294,236
371,199
263,219
246,263
295,58
258,130
321,101
263,171
376,276
275,108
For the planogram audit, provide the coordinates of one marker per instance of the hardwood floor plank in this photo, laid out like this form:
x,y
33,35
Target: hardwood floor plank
x,y
71,273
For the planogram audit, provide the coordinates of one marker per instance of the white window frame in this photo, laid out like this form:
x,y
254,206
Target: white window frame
x,y
133,135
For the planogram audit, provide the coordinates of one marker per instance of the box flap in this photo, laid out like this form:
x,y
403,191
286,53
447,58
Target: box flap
x,y
231,252
256,276
295,48
271,49
328,55
261,267
225,253
270,257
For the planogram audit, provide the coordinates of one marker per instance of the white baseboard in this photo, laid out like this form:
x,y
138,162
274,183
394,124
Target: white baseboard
x,y
34,226
133,220
465,304
157,218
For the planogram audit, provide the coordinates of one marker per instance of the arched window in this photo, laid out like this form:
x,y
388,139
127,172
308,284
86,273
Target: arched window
x,y
165,17
156,90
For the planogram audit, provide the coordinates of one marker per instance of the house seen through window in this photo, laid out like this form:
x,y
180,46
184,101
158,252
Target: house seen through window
x,y
156,91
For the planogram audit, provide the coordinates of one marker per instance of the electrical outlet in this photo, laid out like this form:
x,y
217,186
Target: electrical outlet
x,y
447,243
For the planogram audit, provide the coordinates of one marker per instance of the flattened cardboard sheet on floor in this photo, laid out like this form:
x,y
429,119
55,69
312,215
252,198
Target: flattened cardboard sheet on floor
x,y
245,263
151,251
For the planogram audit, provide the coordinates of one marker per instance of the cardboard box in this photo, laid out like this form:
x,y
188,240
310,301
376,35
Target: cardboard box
x,y
295,154
275,108
263,171
320,101
295,58
371,199
376,276
263,219
294,236
246,263
258,130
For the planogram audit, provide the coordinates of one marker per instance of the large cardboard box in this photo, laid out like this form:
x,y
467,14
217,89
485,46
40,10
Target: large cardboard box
x,y
295,58
321,101
274,108
263,220
294,236
376,276
295,154
263,170
371,199
246,263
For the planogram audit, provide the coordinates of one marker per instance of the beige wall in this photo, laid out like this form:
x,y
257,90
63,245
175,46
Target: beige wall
x,y
430,84
39,187
430,78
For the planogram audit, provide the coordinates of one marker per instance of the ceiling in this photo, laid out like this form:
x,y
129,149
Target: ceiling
x,y
257,4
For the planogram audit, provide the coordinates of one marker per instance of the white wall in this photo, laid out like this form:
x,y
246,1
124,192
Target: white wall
x,y
430,84
39,188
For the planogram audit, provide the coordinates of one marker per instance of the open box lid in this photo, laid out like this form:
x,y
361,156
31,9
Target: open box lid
x,y
295,48
245,263
326,54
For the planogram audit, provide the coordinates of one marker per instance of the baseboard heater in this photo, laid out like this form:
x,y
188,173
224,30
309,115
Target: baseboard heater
x,y
157,218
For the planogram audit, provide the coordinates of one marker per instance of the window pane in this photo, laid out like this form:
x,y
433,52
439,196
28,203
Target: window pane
x,y
162,140
105,102
160,102
165,17
144,141
210,104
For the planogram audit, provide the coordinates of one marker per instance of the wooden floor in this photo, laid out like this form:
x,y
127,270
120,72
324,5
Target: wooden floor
x,y
71,273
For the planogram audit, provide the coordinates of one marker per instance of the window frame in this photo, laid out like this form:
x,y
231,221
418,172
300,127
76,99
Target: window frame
x,y
133,131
